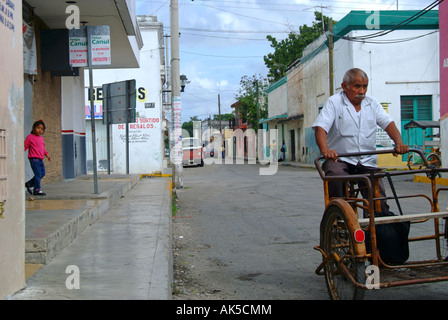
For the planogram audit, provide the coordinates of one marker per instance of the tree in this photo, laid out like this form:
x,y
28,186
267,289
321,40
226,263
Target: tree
x,y
290,49
224,116
188,126
251,88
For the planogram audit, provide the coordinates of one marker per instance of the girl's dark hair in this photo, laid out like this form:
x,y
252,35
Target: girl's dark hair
x,y
38,122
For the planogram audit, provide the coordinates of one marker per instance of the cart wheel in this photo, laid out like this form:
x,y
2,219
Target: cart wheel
x,y
434,160
434,163
414,163
337,237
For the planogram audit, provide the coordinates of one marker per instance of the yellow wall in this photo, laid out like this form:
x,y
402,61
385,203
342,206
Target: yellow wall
x,y
388,160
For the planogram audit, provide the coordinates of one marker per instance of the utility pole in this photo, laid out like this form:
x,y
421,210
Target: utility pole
x,y
219,111
258,105
330,55
175,95
167,94
92,110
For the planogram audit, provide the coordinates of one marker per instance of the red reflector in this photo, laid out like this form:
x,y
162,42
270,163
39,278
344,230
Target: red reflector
x,y
359,236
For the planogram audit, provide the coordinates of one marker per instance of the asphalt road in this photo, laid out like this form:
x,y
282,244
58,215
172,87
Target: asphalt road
x,y
242,235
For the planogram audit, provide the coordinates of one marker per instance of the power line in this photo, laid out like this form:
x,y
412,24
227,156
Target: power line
x,y
222,37
398,26
227,31
276,5
391,41
216,56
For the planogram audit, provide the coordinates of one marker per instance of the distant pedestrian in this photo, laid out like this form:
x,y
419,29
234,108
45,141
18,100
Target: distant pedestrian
x,y
273,148
283,150
36,145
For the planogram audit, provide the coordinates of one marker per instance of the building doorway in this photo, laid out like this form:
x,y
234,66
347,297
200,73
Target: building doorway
x,y
293,145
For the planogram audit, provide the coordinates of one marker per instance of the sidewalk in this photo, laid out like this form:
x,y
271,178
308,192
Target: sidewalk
x,y
118,239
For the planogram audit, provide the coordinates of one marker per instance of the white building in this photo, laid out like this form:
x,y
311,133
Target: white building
x,y
146,143
402,66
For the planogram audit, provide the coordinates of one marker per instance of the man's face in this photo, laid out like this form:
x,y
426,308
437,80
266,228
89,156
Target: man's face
x,y
356,91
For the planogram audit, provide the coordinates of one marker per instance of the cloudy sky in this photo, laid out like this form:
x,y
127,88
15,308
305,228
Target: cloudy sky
x,y
224,40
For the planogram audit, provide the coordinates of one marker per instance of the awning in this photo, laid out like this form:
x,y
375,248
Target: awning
x,y
422,124
299,117
280,116
119,15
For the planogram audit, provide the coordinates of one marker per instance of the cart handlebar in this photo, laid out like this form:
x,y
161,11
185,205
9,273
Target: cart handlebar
x,y
355,154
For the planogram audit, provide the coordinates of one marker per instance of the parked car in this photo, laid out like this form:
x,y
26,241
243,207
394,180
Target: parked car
x,y
192,153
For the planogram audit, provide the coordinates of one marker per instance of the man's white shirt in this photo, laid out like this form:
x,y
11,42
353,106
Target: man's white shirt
x,y
349,131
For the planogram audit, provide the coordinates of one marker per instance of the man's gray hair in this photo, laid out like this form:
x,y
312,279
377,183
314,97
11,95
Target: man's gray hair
x,y
352,73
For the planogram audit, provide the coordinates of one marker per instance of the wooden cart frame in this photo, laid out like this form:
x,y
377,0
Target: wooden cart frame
x,y
346,262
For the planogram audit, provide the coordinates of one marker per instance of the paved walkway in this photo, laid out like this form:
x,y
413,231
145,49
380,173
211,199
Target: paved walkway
x,y
115,244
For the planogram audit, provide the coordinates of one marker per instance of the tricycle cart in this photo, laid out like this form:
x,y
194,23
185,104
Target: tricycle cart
x,y
352,260
430,144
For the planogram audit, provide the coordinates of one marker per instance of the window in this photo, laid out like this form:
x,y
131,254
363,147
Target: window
x,y
416,108
191,143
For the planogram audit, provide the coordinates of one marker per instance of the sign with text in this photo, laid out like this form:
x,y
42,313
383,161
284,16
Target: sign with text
x,y
99,46
382,138
78,51
119,99
177,131
97,102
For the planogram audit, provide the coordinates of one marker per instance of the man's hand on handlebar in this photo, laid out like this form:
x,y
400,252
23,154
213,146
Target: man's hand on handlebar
x,y
400,149
330,155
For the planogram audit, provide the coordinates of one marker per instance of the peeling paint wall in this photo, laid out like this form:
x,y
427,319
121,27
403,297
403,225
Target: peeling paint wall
x,y
12,225
47,102
295,93
316,90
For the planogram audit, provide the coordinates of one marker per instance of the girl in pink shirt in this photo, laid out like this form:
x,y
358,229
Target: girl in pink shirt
x,y
36,145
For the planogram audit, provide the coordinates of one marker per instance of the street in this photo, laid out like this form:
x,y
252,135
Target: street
x,y
241,235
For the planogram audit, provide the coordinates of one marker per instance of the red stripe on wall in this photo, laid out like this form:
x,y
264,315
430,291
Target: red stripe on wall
x,y
73,132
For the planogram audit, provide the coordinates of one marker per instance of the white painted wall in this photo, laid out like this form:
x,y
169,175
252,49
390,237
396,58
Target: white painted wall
x,y
12,226
146,148
73,126
278,101
394,70
73,104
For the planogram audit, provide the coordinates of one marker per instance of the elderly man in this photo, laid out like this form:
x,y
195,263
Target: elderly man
x,y
347,124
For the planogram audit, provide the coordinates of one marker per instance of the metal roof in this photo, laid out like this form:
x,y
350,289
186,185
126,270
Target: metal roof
x,y
422,124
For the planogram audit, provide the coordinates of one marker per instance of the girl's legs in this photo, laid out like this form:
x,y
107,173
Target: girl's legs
x,y
39,172
29,184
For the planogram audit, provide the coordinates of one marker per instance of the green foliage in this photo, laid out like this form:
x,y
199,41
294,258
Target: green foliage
x,y
290,49
224,117
188,126
252,88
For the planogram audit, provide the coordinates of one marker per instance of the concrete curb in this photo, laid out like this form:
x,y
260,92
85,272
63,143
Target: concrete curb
x,y
162,277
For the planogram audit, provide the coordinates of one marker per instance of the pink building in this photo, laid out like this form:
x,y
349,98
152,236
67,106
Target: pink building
x,y
443,27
